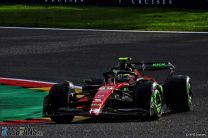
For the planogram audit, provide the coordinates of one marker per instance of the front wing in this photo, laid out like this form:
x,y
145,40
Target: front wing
x,y
112,112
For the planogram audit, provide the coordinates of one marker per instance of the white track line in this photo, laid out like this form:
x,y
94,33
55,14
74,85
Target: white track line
x,y
27,80
79,87
100,30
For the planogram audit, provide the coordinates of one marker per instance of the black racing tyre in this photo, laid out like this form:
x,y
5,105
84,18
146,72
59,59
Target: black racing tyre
x,y
178,93
62,119
149,96
59,97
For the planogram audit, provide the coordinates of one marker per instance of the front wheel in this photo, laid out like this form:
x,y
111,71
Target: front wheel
x,y
149,96
59,96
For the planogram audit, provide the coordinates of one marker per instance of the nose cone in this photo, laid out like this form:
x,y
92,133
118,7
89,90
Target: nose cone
x,y
99,100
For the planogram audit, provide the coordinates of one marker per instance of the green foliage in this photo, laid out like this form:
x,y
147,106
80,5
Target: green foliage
x,y
136,18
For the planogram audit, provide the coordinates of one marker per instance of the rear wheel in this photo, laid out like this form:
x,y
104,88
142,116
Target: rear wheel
x,y
149,96
178,93
59,96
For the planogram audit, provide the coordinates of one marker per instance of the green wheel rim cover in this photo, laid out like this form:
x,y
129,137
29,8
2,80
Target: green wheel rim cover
x,y
156,101
189,87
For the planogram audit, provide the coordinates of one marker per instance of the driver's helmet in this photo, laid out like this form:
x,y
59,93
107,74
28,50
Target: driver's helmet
x,y
125,66
123,78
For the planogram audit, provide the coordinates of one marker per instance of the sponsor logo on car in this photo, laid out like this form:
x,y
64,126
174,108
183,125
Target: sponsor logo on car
x,y
106,88
97,100
95,104
94,111
100,95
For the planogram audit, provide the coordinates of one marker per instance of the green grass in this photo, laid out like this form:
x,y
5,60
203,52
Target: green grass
x,y
136,18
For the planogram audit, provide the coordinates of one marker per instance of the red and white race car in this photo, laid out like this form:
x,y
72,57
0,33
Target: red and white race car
x,y
123,91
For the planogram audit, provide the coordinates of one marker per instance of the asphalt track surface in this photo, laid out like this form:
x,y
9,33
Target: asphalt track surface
x,y
75,55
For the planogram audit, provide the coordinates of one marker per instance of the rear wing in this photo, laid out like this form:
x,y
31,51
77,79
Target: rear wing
x,y
146,65
154,66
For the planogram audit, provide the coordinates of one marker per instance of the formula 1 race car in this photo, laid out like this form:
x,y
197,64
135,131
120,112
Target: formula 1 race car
x,y
125,90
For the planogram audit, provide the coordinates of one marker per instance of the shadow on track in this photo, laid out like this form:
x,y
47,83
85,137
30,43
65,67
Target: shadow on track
x,y
118,119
